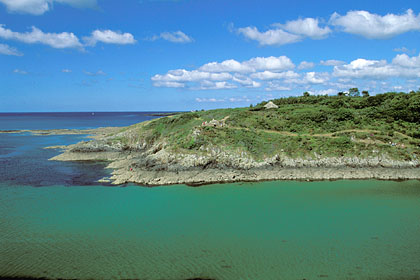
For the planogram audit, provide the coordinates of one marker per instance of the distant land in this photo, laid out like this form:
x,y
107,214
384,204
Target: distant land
x,y
347,136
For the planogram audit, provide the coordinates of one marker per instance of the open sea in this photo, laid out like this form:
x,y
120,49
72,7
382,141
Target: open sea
x,y
57,222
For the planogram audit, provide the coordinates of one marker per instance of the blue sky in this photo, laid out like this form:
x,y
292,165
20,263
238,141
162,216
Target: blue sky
x,y
131,55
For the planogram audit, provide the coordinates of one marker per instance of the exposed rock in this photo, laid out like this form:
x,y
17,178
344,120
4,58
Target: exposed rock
x,y
156,165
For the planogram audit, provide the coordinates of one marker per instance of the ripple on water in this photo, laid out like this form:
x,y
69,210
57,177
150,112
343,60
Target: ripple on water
x,y
270,230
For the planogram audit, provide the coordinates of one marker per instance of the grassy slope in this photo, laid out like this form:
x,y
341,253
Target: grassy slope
x,y
300,127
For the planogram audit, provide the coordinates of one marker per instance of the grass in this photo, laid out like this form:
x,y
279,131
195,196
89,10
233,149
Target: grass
x,y
300,127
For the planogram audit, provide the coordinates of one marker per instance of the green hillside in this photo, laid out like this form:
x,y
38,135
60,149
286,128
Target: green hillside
x,y
301,126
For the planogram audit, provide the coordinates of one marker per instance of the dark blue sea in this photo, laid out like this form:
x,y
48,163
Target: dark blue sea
x,y
79,120
24,161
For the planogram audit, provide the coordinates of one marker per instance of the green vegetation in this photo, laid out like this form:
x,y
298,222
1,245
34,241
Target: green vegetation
x,y
343,125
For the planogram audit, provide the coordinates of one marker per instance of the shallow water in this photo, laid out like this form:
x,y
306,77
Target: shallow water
x,y
270,230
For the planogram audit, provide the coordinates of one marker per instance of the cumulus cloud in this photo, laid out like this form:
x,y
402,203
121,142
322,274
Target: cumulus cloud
x,y
402,66
268,75
39,7
288,33
364,68
246,82
174,37
276,86
55,40
406,61
329,91
332,62
182,75
168,84
66,39
208,85
373,26
272,37
254,64
308,27
273,73
281,74
228,74
7,50
316,78
109,37
306,65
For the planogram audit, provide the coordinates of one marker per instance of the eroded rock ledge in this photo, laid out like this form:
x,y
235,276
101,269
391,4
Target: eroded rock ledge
x,y
154,165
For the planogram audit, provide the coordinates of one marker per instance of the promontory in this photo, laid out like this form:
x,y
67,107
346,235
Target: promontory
x,y
295,138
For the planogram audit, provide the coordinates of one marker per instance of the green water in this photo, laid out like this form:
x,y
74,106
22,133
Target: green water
x,y
270,230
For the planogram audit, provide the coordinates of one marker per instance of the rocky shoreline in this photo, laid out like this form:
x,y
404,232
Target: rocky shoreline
x,y
154,166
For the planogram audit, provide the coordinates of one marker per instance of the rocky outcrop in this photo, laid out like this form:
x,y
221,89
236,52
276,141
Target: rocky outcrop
x,y
155,164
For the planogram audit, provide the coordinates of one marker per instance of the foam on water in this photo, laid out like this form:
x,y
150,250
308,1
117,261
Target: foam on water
x,y
270,230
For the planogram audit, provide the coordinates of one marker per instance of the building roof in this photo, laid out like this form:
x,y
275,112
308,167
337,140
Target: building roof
x,y
270,105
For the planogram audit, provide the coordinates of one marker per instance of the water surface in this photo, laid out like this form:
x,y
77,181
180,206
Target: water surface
x,y
56,221
270,230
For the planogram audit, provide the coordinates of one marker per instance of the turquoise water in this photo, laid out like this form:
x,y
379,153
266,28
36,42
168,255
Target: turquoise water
x,y
269,230
57,222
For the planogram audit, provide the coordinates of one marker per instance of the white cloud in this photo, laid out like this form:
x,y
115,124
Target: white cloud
x,y
363,68
272,37
254,64
182,75
7,50
275,86
207,85
240,99
168,84
55,40
280,74
246,82
18,71
270,63
402,66
332,62
374,26
309,78
174,37
315,78
66,71
306,65
406,61
329,91
227,74
109,37
229,65
268,75
291,32
308,27
39,7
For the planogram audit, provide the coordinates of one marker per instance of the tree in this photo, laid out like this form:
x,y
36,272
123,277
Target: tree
x,y
365,93
341,93
353,92
306,94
